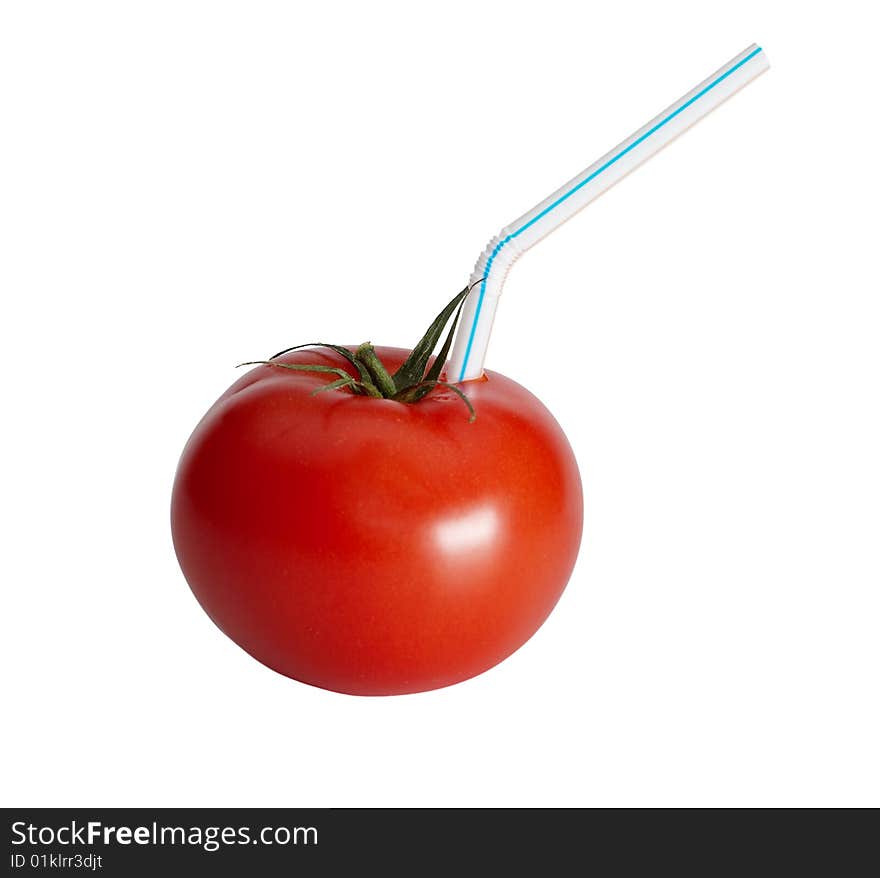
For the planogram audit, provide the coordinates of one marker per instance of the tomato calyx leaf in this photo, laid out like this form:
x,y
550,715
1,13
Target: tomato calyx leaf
x,y
345,352
413,381
413,369
345,380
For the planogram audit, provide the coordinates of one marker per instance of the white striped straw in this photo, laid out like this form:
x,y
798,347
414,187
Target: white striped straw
x,y
504,249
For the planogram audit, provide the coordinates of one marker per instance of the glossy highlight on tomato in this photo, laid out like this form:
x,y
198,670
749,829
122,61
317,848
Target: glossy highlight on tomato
x,y
370,546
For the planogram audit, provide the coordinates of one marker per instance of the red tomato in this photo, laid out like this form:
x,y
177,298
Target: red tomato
x,y
375,547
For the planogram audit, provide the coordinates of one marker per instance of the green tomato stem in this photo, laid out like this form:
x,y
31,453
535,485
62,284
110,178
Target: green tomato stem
x,y
412,381
366,353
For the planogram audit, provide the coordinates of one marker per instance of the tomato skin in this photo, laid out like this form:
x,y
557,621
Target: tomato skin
x,y
373,547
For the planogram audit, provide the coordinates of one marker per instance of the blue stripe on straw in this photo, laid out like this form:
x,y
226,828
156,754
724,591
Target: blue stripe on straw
x,y
580,185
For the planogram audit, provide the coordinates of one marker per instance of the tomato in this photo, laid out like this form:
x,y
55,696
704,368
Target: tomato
x,y
370,546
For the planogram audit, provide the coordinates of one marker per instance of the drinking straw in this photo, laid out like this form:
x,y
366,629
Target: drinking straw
x,y
513,240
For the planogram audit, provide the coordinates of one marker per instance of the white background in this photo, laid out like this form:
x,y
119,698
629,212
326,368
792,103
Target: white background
x,y
187,185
